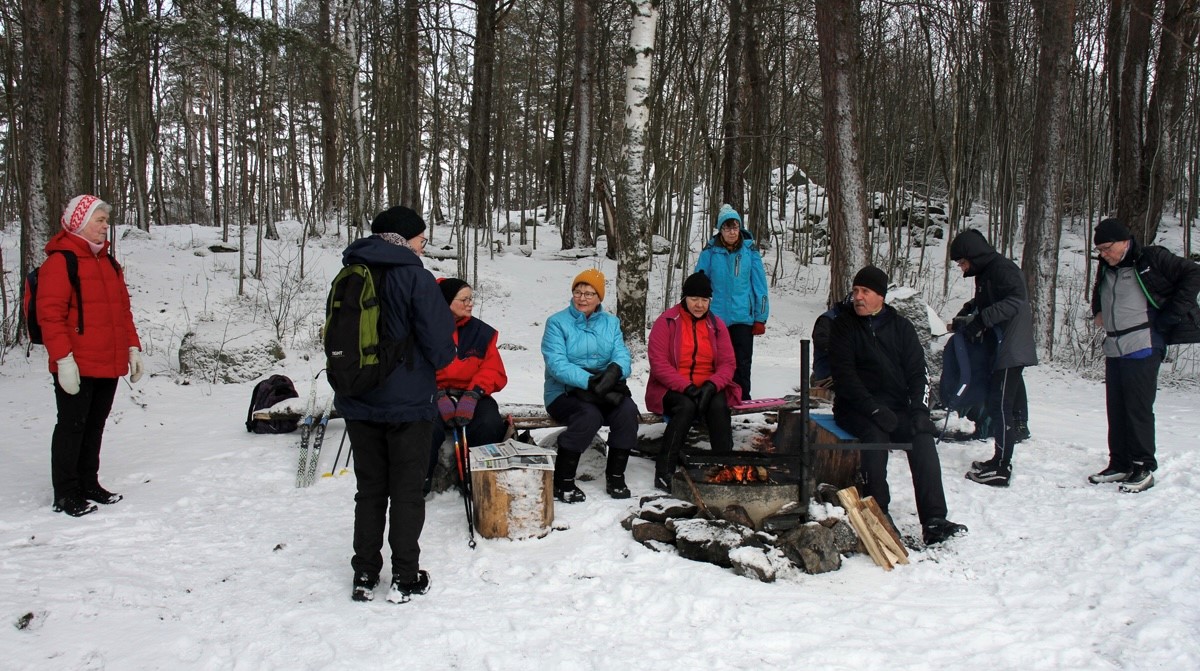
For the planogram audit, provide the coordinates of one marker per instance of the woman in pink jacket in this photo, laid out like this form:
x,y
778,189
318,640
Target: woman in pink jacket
x,y
91,341
691,374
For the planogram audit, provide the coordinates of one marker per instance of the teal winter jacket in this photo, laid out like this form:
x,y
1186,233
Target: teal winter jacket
x,y
576,346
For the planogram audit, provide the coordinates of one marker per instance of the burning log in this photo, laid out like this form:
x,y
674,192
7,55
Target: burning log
x,y
745,474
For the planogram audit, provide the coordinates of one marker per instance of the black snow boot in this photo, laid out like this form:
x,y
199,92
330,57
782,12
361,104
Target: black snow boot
x,y
74,505
100,495
565,465
402,590
614,474
364,586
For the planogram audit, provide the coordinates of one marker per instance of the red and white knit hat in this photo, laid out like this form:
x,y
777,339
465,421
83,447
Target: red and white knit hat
x,y
79,212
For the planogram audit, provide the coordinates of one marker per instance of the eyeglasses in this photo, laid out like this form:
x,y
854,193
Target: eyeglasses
x,y
421,240
1103,249
731,226
585,295
469,300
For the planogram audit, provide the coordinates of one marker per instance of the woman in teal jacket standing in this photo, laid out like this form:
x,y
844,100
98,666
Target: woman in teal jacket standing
x,y
731,260
587,363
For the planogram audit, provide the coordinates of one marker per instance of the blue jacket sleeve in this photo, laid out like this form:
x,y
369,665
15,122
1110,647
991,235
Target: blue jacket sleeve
x,y
554,353
761,307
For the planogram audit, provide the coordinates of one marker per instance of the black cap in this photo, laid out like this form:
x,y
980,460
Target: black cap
x,y
1111,230
450,287
872,278
401,220
697,285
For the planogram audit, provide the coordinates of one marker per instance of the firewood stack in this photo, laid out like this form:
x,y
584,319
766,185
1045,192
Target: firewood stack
x,y
874,529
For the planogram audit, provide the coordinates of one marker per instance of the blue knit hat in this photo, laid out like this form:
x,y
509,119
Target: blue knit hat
x,y
727,212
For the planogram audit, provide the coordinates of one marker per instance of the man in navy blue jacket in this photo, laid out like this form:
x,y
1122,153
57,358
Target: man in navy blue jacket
x,y
391,426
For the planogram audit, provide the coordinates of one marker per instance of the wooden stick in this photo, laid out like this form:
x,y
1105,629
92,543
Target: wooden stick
x,y
696,494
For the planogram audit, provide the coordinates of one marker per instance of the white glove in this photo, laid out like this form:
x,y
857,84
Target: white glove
x,y
68,374
135,364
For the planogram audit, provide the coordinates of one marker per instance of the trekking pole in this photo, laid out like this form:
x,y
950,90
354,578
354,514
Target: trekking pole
x,y
462,457
337,457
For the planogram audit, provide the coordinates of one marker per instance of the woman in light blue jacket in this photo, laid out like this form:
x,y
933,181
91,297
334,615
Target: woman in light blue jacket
x,y
731,260
587,363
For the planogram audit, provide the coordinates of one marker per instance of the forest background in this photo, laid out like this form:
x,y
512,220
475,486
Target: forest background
x,y
624,119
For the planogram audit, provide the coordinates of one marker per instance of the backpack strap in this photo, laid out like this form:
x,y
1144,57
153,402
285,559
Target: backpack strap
x,y
72,262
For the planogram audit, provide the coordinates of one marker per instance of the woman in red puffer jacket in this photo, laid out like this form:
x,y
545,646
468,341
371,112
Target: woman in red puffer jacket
x,y
90,347
467,383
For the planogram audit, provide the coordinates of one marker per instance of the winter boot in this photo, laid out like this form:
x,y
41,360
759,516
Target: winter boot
x,y
1139,480
997,476
1021,428
1109,474
100,495
614,474
402,592
937,530
74,505
364,586
990,464
565,465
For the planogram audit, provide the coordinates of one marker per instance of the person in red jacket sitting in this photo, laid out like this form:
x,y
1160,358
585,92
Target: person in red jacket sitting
x,y
86,357
691,374
466,384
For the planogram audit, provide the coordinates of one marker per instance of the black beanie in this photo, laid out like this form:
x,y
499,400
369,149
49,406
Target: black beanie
x,y
401,220
872,278
1111,230
450,287
697,285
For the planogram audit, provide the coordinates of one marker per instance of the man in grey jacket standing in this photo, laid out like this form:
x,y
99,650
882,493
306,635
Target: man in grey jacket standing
x,y
1001,317
1144,299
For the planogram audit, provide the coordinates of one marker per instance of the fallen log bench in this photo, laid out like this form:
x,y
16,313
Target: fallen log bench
x,y
524,415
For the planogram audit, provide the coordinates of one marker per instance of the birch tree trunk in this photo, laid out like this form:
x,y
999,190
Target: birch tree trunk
x,y
839,52
1043,205
633,261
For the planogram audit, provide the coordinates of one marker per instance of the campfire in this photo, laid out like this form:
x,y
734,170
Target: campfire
x,y
741,474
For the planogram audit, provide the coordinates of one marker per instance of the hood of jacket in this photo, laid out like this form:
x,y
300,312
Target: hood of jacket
x,y
972,246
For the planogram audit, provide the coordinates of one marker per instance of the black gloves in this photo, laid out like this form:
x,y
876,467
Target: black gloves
x,y
959,324
705,396
885,419
603,383
1166,322
921,423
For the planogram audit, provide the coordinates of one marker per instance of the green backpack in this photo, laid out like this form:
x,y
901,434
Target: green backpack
x,y
357,359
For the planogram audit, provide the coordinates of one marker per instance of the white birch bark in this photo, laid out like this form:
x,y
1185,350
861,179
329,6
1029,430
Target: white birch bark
x,y
633,253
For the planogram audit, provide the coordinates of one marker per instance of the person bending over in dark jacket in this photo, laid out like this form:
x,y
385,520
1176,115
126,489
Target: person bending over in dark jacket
x,y
1000,316
691,375
391,426
1144,299
881,388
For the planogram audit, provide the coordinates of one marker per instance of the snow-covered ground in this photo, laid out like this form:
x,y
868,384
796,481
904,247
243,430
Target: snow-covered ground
x,y
215,560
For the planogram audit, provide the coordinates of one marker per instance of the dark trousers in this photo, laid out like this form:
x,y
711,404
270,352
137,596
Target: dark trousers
x,y
1129,389
1005,389
681,412
922,461
743,352
1020,401
75,444
584,419
486,426
389,463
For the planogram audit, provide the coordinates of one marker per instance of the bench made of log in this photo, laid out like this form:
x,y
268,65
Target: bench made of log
x,y
524,415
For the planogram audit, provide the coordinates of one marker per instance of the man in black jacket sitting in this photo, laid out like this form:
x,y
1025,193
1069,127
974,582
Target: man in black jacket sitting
x,y
881,390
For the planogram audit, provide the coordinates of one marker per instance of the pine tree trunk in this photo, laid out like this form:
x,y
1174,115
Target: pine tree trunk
x,y
837,32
